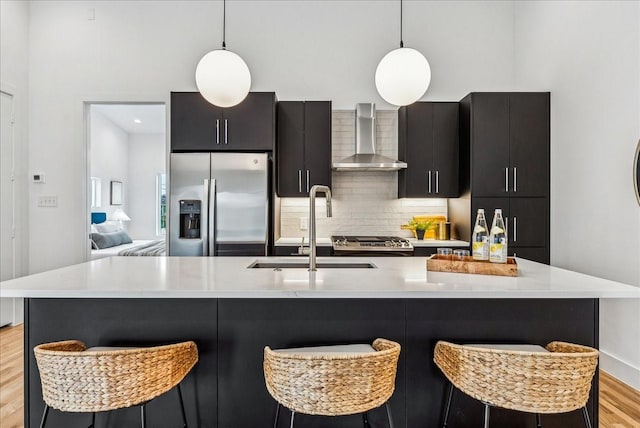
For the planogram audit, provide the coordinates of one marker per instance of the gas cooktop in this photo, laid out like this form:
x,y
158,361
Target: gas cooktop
x,y
391,245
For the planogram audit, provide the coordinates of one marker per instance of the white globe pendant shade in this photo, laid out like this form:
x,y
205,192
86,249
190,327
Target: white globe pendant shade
x,y
403,76
223,78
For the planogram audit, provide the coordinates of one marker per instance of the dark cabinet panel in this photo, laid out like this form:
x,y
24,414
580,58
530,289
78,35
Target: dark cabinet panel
x,y
428,142
194,122
445,149
529,144
317,142
290,152
303,146
197,125
250,124
527,222
490,144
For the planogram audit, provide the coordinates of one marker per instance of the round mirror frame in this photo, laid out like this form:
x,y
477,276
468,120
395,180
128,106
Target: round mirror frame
x,y
636,172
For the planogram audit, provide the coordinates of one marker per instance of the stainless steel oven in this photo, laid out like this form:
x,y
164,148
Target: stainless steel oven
x,y
371,246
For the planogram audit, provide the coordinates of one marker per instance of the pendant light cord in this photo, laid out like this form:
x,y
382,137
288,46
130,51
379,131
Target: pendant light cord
x,y
224,22
401,42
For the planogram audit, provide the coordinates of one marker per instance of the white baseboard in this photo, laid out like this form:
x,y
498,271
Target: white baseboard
x,y
621,370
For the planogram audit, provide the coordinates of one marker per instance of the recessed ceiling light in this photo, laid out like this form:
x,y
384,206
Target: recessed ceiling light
x,y
137,120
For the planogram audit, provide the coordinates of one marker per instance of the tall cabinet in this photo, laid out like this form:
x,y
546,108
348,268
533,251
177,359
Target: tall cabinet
x,y
505,163
303,149
428,143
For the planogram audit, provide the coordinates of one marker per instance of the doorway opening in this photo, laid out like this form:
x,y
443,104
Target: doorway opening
x,y
126,191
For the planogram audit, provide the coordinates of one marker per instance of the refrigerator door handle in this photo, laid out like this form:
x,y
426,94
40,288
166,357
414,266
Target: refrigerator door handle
x,y
204,223
212,217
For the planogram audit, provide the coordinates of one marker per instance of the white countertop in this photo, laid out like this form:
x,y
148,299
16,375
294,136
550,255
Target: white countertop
x,y
326,242
228,277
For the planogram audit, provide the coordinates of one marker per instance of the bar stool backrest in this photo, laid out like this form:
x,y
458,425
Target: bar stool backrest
x,y
76,380
332,385
557,381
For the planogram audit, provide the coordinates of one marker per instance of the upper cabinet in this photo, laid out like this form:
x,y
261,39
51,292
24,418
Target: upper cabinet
x,y
303,151
510,150
197,125
428,143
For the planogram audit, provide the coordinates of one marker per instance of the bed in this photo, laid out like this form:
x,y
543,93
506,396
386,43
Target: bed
x,y
108,238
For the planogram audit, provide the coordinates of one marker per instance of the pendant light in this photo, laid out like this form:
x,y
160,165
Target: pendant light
x,y
403,75
222,77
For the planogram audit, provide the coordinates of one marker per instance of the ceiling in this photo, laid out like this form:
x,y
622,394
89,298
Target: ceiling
x,y
151,116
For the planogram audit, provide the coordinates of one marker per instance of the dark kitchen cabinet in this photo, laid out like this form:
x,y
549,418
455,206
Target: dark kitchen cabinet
x,y
197,125
504,163
428,143
303,151
526,219
510,144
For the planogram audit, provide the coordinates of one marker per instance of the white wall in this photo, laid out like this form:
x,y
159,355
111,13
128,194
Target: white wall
x,y
142,50
147,158
109,149
588,55
14,49
14,63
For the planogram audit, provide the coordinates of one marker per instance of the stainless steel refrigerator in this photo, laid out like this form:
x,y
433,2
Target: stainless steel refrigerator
x,y
219,204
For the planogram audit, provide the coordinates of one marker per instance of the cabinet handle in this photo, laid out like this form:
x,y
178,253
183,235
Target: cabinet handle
x,y
429,181
300,180
437,181
506,227
515,179
226,131
308,179
217,131
515,229
506,180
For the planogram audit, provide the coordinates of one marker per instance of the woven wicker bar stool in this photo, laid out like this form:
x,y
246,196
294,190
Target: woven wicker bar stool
x,y
332,380
528,378
77,379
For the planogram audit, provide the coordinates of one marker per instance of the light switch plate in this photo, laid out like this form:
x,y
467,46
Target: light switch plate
x,y
47,201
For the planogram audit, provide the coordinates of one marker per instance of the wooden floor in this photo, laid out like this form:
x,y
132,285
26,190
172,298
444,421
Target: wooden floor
x,y
619,403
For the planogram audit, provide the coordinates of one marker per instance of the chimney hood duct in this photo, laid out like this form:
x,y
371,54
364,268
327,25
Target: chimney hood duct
x,y
366,158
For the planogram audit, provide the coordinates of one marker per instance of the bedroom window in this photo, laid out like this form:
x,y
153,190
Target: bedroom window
x,y
161,204
96,192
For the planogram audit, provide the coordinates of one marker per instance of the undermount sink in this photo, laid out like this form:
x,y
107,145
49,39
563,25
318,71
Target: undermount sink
x,y
305,265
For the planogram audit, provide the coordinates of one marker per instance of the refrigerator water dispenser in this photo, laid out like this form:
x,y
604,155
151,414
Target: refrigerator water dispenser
x,y
190,218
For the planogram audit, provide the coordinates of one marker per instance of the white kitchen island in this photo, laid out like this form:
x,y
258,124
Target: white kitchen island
x,y
232,312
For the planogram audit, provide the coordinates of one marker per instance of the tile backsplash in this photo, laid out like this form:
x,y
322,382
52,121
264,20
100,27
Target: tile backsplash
x,y
364,202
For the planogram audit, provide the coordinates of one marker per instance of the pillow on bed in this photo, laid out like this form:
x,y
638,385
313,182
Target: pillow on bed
x,y
111,239
108,227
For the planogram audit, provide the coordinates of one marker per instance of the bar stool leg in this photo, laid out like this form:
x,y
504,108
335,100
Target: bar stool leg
x,y
389,414
143,416
486,415
538,422
275,423
93,420
447,406
184,415
292,416
587,421
365,420
44,416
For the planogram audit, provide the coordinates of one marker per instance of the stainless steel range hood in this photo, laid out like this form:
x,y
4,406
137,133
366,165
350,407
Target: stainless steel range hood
x,y
366,158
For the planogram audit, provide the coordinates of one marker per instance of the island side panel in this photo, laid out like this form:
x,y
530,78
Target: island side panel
x,y
127,322
246,326
537,321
